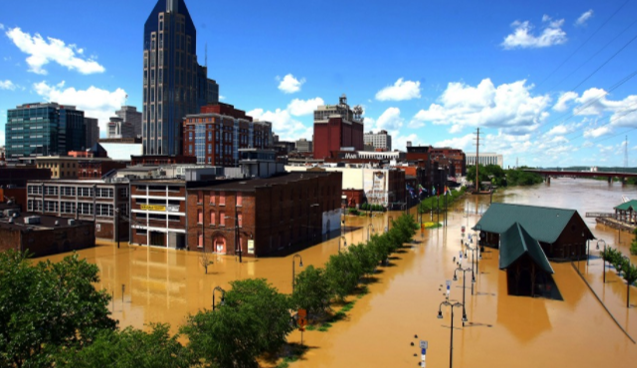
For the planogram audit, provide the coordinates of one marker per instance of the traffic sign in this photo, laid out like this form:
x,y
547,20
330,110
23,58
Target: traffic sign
x,y
302,313
424,344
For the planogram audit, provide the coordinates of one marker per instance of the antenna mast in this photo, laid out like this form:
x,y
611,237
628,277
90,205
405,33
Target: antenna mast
x,y
477,159
626,154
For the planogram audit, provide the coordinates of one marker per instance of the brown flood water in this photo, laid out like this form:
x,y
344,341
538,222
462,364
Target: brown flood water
x,y
503,331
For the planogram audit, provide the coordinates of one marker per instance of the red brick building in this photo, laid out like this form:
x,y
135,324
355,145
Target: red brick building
x,y
215,135
335,127
95,169
262,217
457,159
44,235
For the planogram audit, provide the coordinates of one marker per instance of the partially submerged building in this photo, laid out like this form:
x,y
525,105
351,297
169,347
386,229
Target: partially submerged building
x,y
561,233
528,270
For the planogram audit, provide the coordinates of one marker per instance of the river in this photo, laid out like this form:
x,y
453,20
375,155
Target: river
x,y
158,285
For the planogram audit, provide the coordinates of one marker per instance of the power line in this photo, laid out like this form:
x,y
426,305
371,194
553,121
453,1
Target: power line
x,y
584,43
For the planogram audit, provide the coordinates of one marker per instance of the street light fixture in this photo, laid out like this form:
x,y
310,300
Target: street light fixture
x,y
223,296
474,261
294,269
452,304
603,261
237,240
455,278
368,227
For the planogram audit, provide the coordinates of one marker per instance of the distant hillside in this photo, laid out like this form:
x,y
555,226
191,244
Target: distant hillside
x,y
599,169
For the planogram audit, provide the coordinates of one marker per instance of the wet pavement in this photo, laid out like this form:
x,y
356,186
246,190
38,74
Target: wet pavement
x,y
502,331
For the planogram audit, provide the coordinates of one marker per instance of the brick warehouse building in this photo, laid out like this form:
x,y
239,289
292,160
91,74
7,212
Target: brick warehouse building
x,y
267,216
90,200
215,135
337,126
45,235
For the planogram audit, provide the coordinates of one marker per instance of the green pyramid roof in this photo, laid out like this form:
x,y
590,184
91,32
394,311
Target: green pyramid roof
x,y
516,242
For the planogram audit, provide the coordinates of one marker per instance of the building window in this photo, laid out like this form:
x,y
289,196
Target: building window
x,y
200,240
222,198
199,196
212,218
199,216
239,199
240,219
212,198
222,219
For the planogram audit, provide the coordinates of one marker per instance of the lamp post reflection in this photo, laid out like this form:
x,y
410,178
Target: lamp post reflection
x,y
294,268
603,254
455,278
223,296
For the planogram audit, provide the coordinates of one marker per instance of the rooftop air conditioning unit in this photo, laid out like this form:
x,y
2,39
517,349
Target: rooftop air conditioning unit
x,y
32,220
71,222
57,223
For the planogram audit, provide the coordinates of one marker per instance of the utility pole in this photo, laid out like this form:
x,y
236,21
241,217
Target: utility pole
x,y
477,159
626,155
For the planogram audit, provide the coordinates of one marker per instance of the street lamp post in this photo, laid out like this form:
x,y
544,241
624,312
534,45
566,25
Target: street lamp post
x,y
223,296
451,304
474,260
603,261
455,278
294,269
389,221
368,227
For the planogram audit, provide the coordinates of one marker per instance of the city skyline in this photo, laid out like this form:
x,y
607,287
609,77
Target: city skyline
x,y
548,84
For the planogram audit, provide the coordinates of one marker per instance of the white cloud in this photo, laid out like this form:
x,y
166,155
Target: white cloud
x,y
1,26
7,84
597,132
562,129
390,119
399,142
289,84
221,98
304,107
96,103
509,107
561,104
41,52
522,36
466,143
400,91
581,21
283,124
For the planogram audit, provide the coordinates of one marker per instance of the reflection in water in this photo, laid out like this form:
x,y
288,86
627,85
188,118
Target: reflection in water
x,y
165,286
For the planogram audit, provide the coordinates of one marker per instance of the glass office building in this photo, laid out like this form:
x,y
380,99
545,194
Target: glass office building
x,y
174,83
44,129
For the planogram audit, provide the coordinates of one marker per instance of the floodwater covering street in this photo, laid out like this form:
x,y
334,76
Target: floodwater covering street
x,y
158,285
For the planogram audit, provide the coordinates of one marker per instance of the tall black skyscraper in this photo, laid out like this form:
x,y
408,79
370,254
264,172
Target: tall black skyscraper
x,y
174,83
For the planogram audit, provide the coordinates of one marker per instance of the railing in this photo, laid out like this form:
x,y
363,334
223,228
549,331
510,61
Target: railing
x,y
600,214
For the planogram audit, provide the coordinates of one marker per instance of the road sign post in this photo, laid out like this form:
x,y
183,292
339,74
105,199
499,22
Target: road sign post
x,y
302,321
423,353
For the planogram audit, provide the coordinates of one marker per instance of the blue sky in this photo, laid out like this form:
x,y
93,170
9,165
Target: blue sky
x,y
548,82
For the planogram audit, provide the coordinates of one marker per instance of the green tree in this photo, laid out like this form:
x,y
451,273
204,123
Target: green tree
x,y
225,338
269,307
343,272
131,348
365,256
312,291
254,319
48,306
633,244
629,274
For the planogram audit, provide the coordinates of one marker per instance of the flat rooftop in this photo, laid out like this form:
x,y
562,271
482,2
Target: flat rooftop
x,y
249,185
46,222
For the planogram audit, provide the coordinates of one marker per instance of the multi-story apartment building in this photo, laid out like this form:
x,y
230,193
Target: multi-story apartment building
x,y
263,216
380,140
104,203
174,84
130,115
486,158
336,127
216,134
92,132
454,158
38,129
